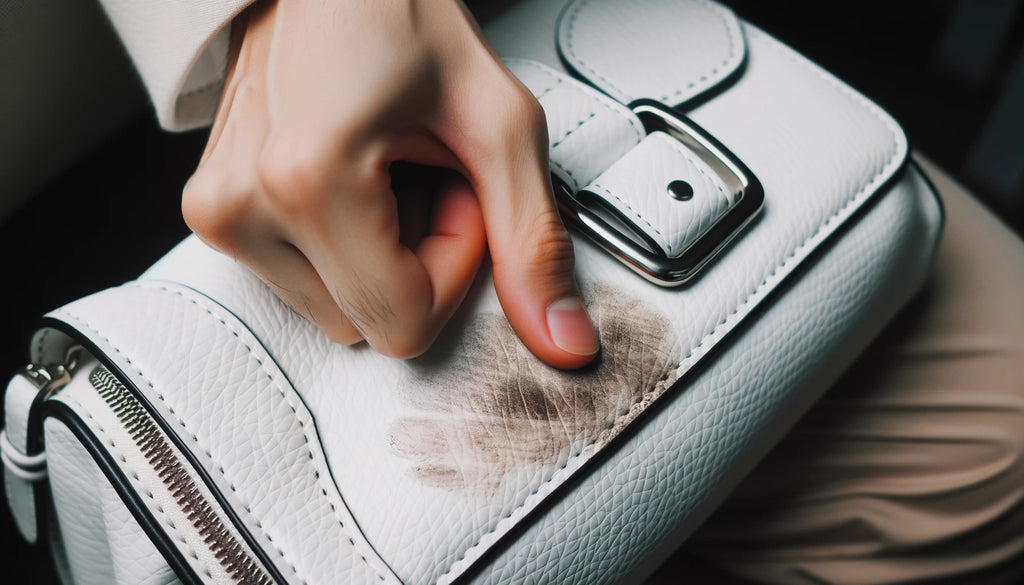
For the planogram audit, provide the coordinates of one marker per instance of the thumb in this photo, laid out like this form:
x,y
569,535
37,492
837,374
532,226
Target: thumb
x,y
531,252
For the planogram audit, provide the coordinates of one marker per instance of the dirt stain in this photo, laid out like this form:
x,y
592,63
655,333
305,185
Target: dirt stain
x,y
488,410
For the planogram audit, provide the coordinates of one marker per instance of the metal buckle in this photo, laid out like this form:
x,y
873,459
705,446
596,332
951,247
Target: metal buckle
x,y
614,235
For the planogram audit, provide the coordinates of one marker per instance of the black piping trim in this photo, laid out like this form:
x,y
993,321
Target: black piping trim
x,y
617,442
200,471
62,412
312,418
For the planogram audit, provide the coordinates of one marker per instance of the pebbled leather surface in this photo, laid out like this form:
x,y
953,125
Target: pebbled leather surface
x,y
438,459
630,512
587,131
238,415
637,187
89,533
21,500
668,50
103,543
599,146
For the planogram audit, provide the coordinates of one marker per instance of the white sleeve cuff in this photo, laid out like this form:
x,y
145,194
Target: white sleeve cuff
x,y
180,49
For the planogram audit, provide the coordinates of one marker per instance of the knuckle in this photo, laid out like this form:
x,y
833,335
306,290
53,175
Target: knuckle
x,y
549,249
515,119
523,113
341,332
295,178
396,326
213,208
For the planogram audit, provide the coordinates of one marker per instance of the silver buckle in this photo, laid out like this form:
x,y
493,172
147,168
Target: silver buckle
x,y
613,233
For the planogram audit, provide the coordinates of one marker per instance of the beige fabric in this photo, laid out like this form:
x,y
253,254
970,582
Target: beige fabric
x,y
910,470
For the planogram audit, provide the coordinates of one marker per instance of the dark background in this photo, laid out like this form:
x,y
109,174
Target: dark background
x,y
951,71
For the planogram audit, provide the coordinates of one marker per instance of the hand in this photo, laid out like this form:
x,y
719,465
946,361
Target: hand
x,y
320,99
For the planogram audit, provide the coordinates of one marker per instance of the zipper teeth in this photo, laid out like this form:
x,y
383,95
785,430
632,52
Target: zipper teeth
x,y
228,551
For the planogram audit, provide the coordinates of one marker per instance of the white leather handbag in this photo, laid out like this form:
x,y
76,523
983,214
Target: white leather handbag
x,y
745,224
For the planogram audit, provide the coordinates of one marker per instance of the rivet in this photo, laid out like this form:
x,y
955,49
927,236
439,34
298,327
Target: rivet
x,y
680,190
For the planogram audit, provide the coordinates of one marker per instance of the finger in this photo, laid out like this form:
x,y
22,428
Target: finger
x,y
454,246
220,208
530,248
222,204
351,237
399,299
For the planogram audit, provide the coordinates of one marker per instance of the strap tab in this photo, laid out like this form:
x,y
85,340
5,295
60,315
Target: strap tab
x,y
666,195
646,184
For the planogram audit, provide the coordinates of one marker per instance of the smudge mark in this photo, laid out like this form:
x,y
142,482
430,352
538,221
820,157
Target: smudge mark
x,y
488,409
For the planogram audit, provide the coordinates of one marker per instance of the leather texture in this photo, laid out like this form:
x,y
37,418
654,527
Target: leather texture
x,y
587,131
599,146
476,461
18,399
668,50
104,543
637,187
94,536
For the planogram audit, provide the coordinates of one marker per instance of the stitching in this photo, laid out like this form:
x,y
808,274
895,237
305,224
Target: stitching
x,y
42,343
134,477
675,145
544,93
670,248
636,213
219,469
588,94
574,181
271,375
570,31
660,386
572,130
303,425
706,78
550,73
625,96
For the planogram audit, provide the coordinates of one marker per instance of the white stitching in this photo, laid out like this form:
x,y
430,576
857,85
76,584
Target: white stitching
x,y
133,476
219,469
572,130
670,248
625,96
271,375
662,384
589,95
636,214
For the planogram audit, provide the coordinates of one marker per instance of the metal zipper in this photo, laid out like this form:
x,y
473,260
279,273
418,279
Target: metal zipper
x,y
148,437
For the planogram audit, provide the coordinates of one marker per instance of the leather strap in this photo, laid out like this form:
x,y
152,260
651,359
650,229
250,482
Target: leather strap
x,y
587,131
599,147
639,186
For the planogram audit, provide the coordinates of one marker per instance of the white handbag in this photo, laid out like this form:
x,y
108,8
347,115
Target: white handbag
x,y
744,224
